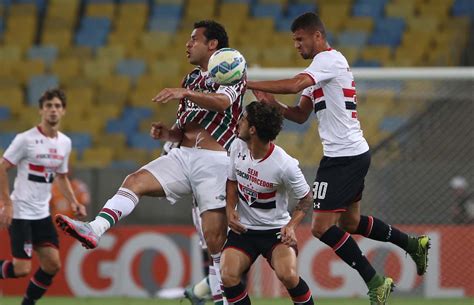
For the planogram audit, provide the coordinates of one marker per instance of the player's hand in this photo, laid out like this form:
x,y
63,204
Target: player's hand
x,y
79,210
6,215
288,236
168,94
233,219
159,131
265,97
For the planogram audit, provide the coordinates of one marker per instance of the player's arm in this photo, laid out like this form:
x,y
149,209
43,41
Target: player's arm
x,y
6,205
212,101
299,113
232,198
304,205
283,86
66,189
159,131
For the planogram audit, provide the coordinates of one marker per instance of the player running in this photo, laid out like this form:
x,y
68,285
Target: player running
x,y
329,91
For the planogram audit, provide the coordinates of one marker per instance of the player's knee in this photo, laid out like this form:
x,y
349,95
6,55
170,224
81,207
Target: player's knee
x,y
214,239
229,277
289,278
22,270
318,230
51,266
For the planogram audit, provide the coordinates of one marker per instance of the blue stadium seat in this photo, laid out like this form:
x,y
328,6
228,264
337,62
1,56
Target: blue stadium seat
x,y
297,9
93,31
352,38
365,9
392,123
38,84
4,113
133,1
367,63
463,8
6,139
283,24
167,11
132,68
168,25
272,10
47,53
80,141
122,125
2,27
237,1
98,1
5,3
138,113
388,31
142,140
40,4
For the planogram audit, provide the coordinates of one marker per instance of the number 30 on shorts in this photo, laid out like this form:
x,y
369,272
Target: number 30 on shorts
x,y
319,190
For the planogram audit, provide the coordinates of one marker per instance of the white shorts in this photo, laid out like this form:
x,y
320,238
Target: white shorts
x,y
201,172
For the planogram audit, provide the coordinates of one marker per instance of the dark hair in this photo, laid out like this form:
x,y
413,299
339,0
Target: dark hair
x,y
309,22
267,120
52,93
214,30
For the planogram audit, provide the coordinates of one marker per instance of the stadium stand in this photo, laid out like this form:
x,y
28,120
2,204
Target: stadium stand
x,y
112,57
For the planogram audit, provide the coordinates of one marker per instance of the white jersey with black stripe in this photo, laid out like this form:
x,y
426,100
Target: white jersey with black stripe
x,y
38,158
264,185
334,102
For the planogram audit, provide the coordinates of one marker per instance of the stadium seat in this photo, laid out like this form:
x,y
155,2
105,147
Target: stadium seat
x,y
352,38
47,53
6,139
38,84
80,141
272,10
142,141
132,68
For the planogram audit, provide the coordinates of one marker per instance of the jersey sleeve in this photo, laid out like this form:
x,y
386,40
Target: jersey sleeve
x,y
233,92
231,168
307,92
294,180
17,150
64,167
320,70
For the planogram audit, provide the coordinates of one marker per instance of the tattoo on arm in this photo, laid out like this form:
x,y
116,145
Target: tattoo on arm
x,y
304,204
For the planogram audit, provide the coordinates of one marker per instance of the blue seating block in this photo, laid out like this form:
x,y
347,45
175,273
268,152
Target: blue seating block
x,y
167,11
4,113
132,68
47,53
80,141
37,84
142,140
296,9
367,63
463,8
6,139
93,31
392,123
353,38
168,25
267,10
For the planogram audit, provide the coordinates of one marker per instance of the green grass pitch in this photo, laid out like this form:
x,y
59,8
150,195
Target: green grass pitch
x,y
131,301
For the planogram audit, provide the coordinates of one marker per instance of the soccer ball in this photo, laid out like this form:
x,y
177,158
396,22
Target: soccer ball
x,y
227,66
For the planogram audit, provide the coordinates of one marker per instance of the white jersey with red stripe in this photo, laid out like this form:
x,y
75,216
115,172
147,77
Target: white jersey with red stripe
x,y
264,185
38,158
334,102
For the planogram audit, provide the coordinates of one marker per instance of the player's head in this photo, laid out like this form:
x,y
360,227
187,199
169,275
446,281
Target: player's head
x,y
52,106
261,120
309,35
207,37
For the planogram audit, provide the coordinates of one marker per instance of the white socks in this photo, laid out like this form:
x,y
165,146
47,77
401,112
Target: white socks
x,y
120,205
